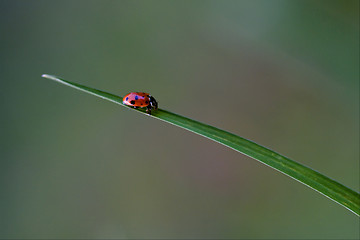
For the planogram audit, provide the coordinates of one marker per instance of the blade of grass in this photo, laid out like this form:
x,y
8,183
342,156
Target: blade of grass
x,y
315,180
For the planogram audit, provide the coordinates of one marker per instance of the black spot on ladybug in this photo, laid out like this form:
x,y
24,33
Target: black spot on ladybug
x,y
132,102
127,98
147,102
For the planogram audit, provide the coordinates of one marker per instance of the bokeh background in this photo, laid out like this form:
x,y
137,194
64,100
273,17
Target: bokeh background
x,y
282,73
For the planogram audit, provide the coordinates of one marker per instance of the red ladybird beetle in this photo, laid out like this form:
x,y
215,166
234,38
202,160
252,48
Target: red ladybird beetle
x,y
141,99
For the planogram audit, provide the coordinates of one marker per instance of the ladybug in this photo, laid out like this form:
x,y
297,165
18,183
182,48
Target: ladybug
x,y
141,99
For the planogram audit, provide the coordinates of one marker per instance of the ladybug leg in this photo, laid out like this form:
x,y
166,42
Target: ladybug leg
x,y
134,107
148,110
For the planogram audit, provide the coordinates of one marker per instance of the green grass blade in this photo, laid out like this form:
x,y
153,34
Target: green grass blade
x,y
326,186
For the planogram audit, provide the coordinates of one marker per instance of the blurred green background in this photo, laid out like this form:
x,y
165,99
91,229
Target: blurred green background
x,y
281,73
